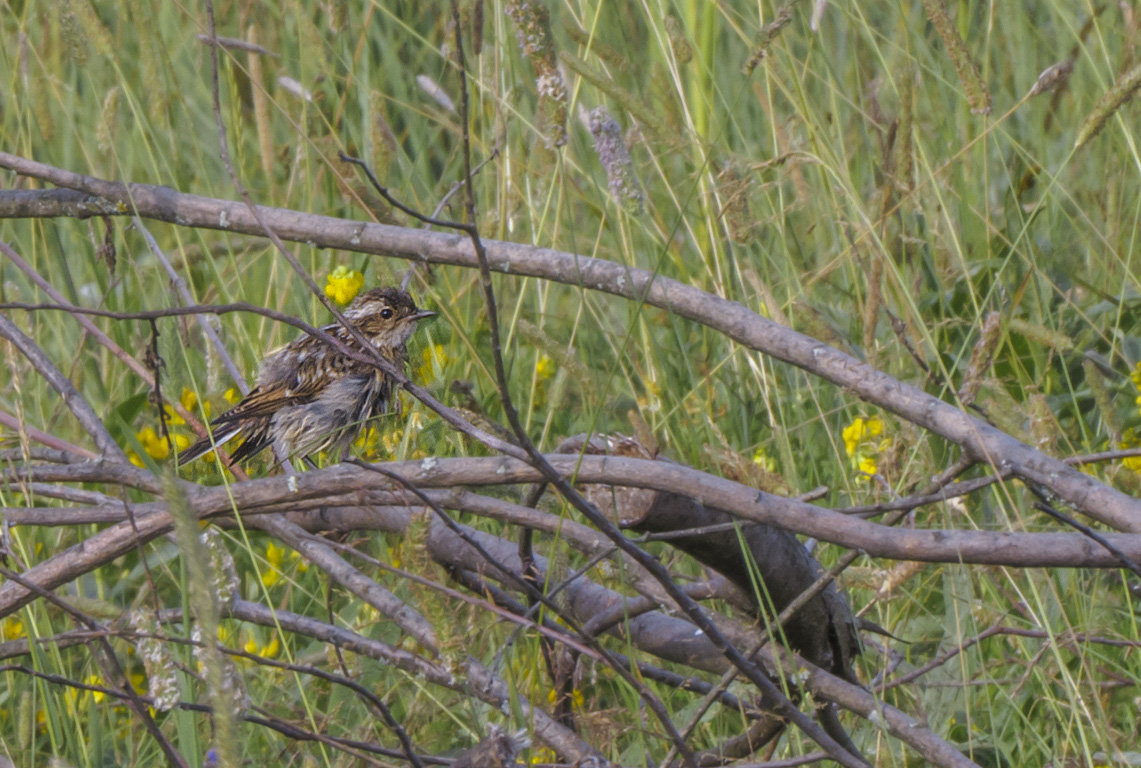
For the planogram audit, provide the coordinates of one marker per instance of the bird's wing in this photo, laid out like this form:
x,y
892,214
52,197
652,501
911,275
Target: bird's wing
x,y
293,375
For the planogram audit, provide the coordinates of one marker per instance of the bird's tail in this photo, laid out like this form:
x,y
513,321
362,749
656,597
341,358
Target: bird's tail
x,y
206,444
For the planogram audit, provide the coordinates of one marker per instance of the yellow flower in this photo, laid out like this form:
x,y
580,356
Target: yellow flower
x,y
543,755
544,367
392,440
860,445
251,647
576,697
859,430
271,649
367,442
157,448
435,358
275,558
1129,440
231,395
274,555
189,401
12,628
764,461
172,418
295,557
343,284
97,696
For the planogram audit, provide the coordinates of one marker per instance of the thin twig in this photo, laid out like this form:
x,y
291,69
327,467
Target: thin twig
x,y
210,332
75,402
44,438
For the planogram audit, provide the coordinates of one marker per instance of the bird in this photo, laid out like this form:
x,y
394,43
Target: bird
x,y
310,396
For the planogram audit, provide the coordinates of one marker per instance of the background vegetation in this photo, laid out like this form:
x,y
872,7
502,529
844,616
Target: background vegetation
x,y
842,185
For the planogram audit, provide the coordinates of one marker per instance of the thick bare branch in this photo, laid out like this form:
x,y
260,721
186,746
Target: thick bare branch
x,y
1010,548
981,440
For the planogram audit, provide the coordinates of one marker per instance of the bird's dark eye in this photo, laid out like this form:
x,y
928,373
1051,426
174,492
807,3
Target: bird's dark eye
x,y
386,313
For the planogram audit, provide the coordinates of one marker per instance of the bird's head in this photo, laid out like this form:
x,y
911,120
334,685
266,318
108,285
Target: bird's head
x,y
388,316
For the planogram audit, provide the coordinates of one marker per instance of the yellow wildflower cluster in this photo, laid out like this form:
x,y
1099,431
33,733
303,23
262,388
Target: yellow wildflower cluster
x,y
544,367
276,557
95,680
155,444
1130,439
267,651
343,284
863,443
543,755
372,443
12,628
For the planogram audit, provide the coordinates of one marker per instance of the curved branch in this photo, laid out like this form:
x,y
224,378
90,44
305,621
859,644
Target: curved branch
x,y
981,440
986,547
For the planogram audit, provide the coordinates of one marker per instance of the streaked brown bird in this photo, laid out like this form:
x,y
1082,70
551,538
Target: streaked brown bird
x,y
310,397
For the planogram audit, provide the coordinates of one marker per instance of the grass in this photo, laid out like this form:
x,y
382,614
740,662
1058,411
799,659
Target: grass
x,y
793,190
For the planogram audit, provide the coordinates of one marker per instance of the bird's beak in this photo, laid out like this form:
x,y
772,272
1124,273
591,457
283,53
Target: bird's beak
x,y
422,314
